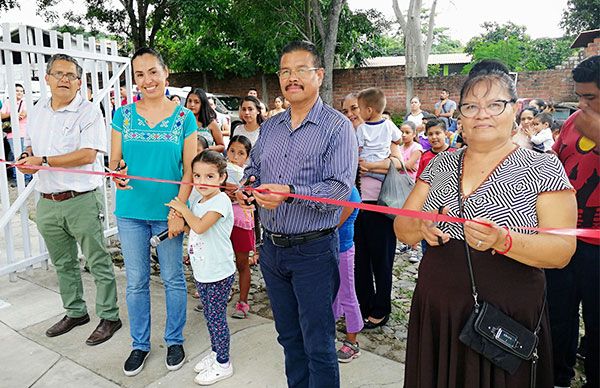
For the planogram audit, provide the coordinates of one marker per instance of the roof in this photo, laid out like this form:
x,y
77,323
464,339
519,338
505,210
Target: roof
x,y
434,59
585,37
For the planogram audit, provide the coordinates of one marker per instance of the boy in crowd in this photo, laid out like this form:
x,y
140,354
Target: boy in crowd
x,y
541,137
376,134
435,129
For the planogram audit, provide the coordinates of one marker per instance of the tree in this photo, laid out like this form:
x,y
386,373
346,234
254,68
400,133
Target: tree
x,y
417,46
495,33
580,15
137,20
5,5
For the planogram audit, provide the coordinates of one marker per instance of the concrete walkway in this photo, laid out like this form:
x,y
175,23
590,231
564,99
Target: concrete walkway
x,y
30,359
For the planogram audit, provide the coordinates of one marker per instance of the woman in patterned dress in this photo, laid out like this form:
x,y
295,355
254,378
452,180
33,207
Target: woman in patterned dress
x,y
154,137
503,185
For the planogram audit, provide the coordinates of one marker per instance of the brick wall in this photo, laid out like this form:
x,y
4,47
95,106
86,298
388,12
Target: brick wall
x,y
592,48
552,85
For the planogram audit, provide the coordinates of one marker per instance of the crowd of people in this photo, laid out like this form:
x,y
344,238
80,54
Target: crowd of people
x,y
506,169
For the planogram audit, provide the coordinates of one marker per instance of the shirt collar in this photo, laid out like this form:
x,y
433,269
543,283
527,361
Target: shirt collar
x,y
72,107
312,116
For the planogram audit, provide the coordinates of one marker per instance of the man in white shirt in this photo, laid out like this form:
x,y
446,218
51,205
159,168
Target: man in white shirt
x,y
67,131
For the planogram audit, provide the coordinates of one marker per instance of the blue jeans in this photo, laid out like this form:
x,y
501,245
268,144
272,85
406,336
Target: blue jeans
x,y
135,245
302,282
28,177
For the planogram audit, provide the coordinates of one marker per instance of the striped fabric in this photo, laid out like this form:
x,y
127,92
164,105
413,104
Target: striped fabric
x,y
508,196
319,158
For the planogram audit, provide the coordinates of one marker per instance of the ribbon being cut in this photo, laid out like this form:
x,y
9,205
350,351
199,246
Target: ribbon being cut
x,y
436,217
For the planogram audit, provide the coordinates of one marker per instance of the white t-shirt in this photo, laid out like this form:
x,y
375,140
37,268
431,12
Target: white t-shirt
x,y
374,139
251,135
543,137
211,253
417,119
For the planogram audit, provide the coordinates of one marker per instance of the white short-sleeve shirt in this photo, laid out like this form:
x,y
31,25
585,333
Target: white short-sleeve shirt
x,y
211,253
49,133
374,139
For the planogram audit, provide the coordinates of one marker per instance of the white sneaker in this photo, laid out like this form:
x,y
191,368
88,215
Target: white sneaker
x,y
206,362
216,372
414,256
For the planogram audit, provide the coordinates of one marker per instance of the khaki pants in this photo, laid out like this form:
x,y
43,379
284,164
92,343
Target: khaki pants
x,y
63,225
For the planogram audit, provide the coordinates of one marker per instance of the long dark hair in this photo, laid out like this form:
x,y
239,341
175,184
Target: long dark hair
x,y
206,114
254,100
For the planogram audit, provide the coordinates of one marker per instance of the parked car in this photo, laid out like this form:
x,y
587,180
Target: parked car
x,y
226,104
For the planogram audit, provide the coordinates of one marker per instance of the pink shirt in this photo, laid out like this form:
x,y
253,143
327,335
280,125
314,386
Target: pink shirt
x,y
22,122
407,152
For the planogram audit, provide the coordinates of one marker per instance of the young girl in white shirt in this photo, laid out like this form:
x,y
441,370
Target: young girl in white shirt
x,y
210,221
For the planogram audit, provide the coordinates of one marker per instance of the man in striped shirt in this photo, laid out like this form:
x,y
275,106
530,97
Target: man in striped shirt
x,y
311,150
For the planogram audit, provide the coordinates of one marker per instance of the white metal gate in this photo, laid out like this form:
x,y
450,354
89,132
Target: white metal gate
x,y
103,69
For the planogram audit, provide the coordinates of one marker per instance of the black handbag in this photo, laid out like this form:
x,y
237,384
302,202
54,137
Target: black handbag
x,y
490,332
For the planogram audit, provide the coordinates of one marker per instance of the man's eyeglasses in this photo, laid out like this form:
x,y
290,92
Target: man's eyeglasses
x,y
495,108
60,75
302,72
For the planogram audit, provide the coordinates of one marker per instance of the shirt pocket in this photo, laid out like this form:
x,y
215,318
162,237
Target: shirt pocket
x,y
68,136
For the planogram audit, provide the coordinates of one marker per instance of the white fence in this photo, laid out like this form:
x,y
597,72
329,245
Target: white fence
x,y
102,70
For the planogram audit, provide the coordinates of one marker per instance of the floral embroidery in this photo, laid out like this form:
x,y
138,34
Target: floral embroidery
x,y
169,130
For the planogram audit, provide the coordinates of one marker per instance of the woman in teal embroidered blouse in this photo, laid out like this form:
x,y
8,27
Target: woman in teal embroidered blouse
x,y
153,137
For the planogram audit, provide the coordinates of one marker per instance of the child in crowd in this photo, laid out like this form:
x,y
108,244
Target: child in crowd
x,y
386,115
210,221
410,150
455,139
556,127
242,235
346,302
422,135
541,134
376,135
436,134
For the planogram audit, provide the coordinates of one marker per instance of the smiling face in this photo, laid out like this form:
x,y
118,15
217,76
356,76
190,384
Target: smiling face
x,y
300,89
193,103
207,174
526,119
150,76
351,110
437,138
483,127
63,88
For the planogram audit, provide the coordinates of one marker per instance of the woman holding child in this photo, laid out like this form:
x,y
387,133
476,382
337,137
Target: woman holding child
x,y
154,137
504,186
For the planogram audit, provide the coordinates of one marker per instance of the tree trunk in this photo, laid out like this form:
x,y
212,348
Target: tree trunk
x,y
409,81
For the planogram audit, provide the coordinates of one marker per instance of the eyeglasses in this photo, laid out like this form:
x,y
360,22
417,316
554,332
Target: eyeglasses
x,y
495,108
301,72
60,75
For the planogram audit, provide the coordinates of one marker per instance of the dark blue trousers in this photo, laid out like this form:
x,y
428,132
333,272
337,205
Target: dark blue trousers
x,y
577,283
302,282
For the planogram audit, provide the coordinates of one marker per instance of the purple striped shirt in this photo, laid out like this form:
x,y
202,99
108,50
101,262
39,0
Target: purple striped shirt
x,y
319,158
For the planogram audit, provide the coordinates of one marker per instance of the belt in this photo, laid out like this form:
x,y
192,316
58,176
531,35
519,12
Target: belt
x,y
58,197
290,240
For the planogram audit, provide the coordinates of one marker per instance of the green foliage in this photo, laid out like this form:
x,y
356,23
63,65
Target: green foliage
x,y
510,44
443,43
581,15
433,70
397,119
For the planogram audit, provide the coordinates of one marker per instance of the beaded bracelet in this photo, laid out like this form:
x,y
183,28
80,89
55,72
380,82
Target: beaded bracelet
x,y
508,241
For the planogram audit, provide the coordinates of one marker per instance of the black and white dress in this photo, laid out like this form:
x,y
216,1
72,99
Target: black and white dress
x,y
442,300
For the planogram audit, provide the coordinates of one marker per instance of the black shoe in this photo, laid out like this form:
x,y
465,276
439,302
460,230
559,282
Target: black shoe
x,y
371,325
175,357
135,362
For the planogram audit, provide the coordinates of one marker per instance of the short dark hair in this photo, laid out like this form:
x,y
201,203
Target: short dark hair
x,y
19,86
487,66
63,57
256,90
545,118
489,72
303,45
445,90
588,71
540,103
147,50
373,98
435,123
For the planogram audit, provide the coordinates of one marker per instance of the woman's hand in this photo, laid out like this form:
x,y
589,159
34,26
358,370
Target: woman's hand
x,y
431,233
482,237
121,183
177,205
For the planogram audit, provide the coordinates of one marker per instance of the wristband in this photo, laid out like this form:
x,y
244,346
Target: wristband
x,y
507,242
292,191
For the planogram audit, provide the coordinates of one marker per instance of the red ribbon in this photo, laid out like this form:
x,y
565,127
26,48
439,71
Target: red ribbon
x,y
435,217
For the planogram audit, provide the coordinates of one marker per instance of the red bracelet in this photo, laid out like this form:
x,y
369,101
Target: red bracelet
x,y
507,242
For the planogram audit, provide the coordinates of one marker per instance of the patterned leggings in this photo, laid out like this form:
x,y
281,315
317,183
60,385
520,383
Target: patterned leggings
x,y
214,297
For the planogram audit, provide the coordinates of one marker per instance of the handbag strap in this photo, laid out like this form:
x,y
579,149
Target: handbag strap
x,y
532,381
394,167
